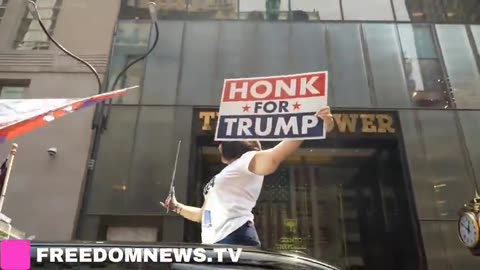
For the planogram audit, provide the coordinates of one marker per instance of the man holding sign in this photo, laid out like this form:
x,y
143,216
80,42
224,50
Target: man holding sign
x,y
282,108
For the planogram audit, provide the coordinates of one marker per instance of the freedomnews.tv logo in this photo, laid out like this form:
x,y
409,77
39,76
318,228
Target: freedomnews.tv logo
x,y
15,255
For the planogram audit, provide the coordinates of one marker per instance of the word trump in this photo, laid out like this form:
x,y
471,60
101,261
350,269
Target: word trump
x,y
270,127
273,108
343,122
137,255
282,87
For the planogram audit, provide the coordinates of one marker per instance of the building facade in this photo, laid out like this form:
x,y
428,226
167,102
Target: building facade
x,y
44,193
381,192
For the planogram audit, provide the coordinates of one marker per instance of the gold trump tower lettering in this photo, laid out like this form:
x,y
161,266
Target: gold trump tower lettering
x,y
344,122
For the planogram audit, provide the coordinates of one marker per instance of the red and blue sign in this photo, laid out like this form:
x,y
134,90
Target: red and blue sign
x,y
273,108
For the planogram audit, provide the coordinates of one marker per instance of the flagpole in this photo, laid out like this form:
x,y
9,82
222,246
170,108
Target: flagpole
x,y
13,151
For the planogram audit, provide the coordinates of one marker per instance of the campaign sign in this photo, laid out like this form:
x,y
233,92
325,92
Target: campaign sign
x,y
273,108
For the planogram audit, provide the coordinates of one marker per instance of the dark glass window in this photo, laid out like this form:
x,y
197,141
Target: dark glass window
x,y
13,89
30,35
425,80
3,7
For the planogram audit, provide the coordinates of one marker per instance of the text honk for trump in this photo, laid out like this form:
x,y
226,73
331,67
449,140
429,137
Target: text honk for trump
x,y
273,108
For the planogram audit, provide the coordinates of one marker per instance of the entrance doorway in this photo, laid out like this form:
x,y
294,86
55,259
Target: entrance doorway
x,y
347,204
346,199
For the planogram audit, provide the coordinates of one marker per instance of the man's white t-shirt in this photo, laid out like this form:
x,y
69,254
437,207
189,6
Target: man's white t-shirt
x,y
229,199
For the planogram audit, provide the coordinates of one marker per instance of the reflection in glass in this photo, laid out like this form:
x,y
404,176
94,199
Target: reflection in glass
x,y
465,11
212,9
346,48
130,42
460,64
425,80
109,183
263,10
30,35
132,33
318,10
3,7
386,63
138,10
133,76
367,10
470,122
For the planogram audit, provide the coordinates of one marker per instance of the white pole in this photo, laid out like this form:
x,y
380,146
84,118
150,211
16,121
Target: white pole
x,y
13,151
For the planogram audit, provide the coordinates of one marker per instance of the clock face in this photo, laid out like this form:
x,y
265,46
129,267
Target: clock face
x,y
468,230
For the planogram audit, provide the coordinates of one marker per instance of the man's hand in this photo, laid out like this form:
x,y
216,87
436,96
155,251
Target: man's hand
x,y
171,203
326,116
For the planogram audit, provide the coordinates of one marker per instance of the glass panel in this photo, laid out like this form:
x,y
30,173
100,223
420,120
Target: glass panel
x,y
271,10
417,163
446,162
426,85
420,10
443,249
367,10
460,63
470,121
199,51
163,65
133,76
476,35
437,163
386,65
318,10
307,48
437,11
113,165
156,138
2,12
347,57
130,43
212,9
133,34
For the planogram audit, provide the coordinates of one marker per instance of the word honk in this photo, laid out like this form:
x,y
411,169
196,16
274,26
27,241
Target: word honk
x,y
270,126
274,88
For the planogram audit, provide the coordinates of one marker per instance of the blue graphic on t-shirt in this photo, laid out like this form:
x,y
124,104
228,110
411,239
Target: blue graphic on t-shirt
x,y
207,219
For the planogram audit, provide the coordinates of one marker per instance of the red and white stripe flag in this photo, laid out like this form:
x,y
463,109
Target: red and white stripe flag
x,y
20,116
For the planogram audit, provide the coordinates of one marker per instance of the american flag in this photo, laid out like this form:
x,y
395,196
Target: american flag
x,y
277,190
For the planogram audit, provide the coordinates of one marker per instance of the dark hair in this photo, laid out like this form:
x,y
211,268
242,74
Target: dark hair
x,y
232,150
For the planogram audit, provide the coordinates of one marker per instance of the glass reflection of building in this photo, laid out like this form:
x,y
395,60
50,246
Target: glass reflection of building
x,y
411,64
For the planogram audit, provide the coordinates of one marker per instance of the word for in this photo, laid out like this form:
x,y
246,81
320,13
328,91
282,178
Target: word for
x,y
137,255
271,106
